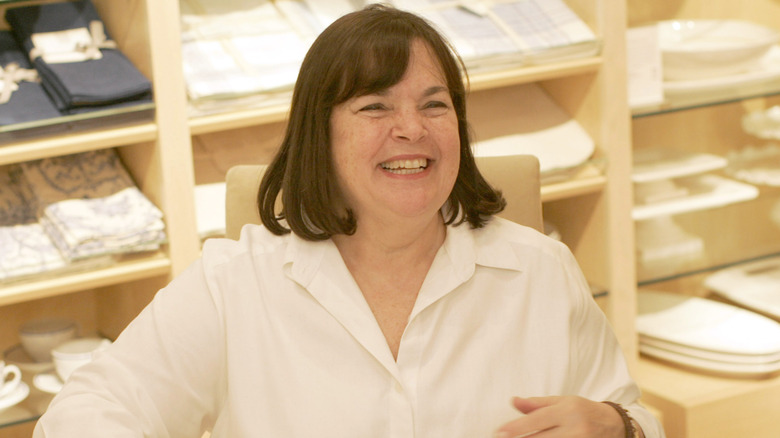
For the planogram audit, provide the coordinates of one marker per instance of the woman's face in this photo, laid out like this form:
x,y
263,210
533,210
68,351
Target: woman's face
x,y
397,152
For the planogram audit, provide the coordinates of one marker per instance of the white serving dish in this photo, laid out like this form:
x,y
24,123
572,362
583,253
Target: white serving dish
x,y
730,369
40,336
753,285
540,127
652,164
684,195
697,49
702,324
18,356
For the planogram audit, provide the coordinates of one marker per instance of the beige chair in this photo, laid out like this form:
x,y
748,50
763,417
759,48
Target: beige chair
x,y
517,176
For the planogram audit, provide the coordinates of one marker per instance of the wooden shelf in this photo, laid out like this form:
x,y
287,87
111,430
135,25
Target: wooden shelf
x,y
587,180
533,73
74,143
697,405
238,119
130,269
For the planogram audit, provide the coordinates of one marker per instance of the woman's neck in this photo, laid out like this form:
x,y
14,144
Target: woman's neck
x,y
386,244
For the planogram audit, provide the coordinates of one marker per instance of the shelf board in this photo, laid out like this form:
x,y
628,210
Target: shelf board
x,y
589,179
533,73
76,142
478,81
698,405
133,268
238,119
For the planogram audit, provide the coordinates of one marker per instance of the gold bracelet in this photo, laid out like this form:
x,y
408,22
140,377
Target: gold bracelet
x,y
626,417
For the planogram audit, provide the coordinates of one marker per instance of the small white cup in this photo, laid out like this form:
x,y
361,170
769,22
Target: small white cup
x,y
76,353
7,385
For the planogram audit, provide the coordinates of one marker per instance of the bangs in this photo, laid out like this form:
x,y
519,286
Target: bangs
x,y
381,63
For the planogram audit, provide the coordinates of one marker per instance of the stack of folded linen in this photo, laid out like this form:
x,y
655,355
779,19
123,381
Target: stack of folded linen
x,y
238,53
26,248
90,206
22,98
79,65
493,34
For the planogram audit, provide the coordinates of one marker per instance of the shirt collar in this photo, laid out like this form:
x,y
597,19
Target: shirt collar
x,y
463,248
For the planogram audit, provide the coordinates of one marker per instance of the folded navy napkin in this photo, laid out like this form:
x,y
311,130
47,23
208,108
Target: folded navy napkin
x,y
28,101
92,82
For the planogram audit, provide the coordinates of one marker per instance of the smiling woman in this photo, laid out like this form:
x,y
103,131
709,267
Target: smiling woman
x,y
384,287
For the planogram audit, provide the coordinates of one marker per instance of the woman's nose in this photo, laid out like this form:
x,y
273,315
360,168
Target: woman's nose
x,y
409,126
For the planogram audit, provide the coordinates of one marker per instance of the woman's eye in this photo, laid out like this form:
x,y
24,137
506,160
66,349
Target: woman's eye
x,y
436,107
436,104
373,107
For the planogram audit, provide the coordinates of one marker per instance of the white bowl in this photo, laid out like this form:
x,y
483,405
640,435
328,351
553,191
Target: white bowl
x,y
696,49
71,355
39,336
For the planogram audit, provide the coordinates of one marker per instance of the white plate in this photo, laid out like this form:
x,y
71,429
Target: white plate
x,y
698,49
535,125
754,285
767,70
702,324
48,382
730,369
651,164
15,397
16,355
772,359
699,193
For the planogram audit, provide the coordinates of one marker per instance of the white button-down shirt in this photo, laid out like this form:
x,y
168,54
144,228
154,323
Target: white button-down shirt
x,y
271,337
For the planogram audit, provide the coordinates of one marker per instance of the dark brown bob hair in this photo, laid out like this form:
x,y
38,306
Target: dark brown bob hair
x,y
361,53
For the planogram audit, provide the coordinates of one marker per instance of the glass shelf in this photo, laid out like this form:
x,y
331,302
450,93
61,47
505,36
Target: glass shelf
x,y
75,123
29,409
710,240
710,97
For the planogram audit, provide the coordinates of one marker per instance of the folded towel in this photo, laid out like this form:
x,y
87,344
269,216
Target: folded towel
x,y
27,101
26,247
90,206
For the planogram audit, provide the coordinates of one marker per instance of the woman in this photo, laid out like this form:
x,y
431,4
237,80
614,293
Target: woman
x,y
397,306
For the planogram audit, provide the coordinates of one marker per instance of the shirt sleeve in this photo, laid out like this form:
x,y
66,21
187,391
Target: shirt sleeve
x,y
601,370
162,377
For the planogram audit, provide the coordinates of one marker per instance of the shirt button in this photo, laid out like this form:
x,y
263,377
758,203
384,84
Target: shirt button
x,y
398,388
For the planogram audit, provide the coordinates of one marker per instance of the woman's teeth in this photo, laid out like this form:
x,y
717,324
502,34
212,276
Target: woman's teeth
x,y
405,167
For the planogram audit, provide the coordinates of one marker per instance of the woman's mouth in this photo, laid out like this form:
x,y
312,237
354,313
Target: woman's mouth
x,y
405,167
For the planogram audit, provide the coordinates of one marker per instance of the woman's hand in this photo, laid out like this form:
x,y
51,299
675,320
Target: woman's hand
x,y
564,416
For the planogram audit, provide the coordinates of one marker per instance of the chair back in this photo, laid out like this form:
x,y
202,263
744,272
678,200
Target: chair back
x,y
516,175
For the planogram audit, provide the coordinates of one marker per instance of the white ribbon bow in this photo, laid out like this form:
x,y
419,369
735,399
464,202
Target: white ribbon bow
x,y
85,50
99,41
10,76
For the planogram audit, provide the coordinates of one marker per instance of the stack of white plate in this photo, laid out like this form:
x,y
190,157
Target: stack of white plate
x,y
707,335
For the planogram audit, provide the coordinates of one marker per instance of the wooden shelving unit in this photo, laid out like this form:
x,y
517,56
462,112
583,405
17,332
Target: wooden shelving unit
x,y
695,404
